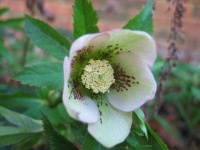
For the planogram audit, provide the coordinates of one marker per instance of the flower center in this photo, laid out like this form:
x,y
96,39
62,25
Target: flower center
x,y
98,76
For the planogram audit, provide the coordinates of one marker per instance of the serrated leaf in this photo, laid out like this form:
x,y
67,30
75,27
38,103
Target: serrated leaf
x,y
143,21
57,141
46,38
44,74
20,120
85,18
3,10
139,121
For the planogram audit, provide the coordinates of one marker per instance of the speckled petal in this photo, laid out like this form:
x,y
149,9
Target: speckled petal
x,y
79,44
113,125
84,109
138,42
95,40
137,89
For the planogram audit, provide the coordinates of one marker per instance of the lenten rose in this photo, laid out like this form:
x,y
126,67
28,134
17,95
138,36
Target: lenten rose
x,y
106,76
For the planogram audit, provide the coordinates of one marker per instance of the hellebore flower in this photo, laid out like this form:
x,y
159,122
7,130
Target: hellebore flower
x,y
106,76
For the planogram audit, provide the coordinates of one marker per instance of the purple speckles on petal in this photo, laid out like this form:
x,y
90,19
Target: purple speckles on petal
x,y
122,80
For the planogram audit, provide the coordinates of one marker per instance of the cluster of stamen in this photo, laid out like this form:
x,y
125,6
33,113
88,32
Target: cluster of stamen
x,y
98,76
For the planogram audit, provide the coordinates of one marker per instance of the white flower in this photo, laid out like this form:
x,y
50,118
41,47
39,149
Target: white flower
x,y
106,76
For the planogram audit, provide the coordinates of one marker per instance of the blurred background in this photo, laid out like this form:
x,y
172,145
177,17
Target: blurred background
x,y
114,14
177,120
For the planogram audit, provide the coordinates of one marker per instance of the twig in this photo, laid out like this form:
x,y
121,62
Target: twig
x,y
174,38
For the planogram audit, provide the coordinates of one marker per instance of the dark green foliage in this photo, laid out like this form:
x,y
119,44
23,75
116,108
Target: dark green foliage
x,y
12,22
90,143
85,18
45,37
3,11
181,100
17,127
20,132
57,141
143,21
138,140
44,74
4,51
139,121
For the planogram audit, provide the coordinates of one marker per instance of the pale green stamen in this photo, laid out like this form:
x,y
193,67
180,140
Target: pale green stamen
x,y
98,76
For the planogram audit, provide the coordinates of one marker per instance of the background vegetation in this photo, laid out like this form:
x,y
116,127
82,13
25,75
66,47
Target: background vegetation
x,y
174,115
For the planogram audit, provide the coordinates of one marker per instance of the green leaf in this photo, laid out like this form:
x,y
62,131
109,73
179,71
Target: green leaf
x,y
139,121
90,143
63,113
75,130
143,21
57,141
4,51
13,23
85,18
53,115
20,100
28,143
11,135
196,92
44,74
156,141
23,127
140,142
20,120
46,38
3,11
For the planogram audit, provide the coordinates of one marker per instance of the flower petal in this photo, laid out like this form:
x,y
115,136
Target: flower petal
x,y
99,40
113,125
95,40
84,110
79,44
137,42
66,68
142,85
